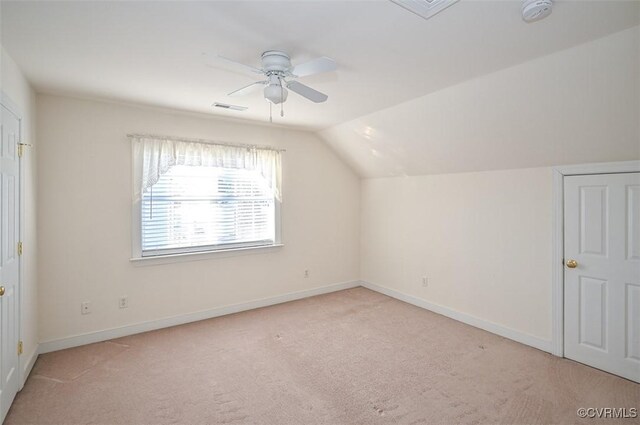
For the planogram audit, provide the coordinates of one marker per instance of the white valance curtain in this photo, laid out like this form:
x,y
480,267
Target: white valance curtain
x,y
154,156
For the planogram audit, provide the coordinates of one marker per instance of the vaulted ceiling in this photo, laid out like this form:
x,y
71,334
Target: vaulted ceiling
x,y
154,52
580,105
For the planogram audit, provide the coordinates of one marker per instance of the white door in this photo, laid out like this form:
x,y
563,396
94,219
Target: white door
x,y
9,260
602,272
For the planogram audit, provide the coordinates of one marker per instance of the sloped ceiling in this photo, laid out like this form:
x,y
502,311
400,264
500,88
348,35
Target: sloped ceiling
x,y
152,52
580,105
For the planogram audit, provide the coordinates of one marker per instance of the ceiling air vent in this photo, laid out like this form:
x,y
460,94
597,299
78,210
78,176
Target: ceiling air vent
x,y
232,107
425,8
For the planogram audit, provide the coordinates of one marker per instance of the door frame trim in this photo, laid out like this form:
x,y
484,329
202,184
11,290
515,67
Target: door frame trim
x,y
557,264
17,112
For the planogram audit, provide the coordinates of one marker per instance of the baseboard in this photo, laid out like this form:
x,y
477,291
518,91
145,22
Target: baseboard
x,y
31,360
107,334
486,325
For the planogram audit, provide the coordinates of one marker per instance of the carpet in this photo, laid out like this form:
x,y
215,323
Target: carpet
x,y
349,357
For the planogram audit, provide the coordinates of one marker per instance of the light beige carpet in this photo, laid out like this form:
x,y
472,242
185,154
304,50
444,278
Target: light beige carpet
x,y
350,357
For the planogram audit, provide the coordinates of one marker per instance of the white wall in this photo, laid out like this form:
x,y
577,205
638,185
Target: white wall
x,y
84,218
14,85
575,106
483,240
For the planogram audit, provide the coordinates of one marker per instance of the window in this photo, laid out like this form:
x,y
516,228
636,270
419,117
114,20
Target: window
x,y
194,209
193,196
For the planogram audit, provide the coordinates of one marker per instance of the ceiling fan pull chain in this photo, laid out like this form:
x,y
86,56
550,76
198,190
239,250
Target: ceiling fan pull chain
x,y
270,114
281,97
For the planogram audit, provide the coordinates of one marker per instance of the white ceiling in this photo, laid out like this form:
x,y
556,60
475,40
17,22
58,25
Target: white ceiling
x,y
152,52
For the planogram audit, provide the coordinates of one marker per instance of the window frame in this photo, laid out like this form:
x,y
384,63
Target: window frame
x,y
177,254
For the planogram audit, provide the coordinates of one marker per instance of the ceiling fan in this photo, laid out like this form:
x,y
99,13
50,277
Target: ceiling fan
x,y
281,76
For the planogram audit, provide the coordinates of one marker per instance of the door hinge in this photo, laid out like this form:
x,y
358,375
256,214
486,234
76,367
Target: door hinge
x,y
21,149
19,248
19,347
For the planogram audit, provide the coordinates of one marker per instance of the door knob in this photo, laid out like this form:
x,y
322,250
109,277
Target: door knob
x,y
572,264
1,291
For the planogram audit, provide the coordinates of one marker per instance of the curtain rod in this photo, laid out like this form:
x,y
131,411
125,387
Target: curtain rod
x,y
210,142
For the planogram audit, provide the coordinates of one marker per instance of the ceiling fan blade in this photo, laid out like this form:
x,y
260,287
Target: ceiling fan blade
x,y
314,66
246,89
306,91
237,66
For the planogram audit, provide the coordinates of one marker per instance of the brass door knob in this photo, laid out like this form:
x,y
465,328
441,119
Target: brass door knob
x,y
572,264
1,291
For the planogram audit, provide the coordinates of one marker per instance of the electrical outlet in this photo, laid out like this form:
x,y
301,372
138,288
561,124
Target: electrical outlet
x,y
306,274
85,307
425,281
123,302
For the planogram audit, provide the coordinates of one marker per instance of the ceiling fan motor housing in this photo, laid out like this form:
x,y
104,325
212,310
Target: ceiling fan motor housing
x,y
275,61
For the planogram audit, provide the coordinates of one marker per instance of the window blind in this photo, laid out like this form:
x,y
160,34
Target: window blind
x,y
194,208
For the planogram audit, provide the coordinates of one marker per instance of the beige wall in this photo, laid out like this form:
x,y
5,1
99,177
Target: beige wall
x,y
17,89
483,240
84,218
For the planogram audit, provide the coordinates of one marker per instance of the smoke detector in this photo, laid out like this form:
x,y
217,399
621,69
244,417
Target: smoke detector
x,y
534,10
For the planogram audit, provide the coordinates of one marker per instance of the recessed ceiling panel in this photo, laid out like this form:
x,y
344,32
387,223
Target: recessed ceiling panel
x,y
425,8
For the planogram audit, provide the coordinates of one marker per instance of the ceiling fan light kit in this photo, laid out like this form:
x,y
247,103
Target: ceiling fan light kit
x,y
274,92
281,77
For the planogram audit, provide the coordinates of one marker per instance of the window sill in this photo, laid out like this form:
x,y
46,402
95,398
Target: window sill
x,y
202,255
